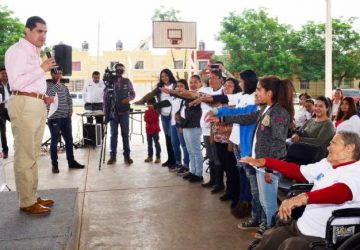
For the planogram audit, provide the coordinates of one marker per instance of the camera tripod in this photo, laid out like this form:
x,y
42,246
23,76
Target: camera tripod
x,y
103,146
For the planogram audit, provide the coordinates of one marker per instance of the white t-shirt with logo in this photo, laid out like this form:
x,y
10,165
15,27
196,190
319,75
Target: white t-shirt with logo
x,y
313,221
205,126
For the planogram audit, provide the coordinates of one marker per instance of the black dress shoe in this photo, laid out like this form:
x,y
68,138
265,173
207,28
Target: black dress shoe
x,y
196,178
76,165
55,169
208,184
188,176
225,197
217,189
165,164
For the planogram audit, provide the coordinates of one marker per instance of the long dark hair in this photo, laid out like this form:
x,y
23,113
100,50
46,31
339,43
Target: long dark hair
x,y
235,82
340,115
328,104
250,81
169,74
282,93
184,82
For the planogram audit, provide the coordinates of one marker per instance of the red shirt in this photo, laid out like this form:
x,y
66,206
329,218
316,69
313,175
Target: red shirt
x,y
151,118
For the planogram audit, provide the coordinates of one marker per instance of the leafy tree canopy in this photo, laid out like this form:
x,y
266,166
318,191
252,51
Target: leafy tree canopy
x,y
256,41
11,29
162,14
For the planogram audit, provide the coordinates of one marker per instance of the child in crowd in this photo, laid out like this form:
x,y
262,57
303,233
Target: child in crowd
x,y
151,118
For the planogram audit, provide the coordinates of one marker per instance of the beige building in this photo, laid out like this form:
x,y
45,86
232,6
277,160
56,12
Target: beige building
x,y
142,66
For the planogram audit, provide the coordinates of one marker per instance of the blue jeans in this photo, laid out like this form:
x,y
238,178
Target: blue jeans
x,y
166,123
192,138
150,139
268,194
124,126
177,139
56,126
257,211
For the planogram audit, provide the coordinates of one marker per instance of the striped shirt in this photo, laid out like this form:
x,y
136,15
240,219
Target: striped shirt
x,y
64,99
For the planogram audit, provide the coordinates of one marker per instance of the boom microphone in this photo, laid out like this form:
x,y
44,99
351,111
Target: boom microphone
x,y
48,55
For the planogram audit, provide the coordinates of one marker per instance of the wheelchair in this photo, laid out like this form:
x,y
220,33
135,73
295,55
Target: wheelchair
x,y
340,237
302,154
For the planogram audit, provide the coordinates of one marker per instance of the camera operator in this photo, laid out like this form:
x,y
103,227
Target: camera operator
x,y
93,94
214,65
117,96
60,121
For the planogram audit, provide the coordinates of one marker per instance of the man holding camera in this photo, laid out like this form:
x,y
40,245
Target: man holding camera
x,y
117,96
60,121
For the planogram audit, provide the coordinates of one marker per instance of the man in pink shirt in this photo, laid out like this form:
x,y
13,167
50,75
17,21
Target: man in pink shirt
x,y
27,111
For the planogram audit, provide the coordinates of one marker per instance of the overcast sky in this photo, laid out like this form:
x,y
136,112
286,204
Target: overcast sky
x,y
74,21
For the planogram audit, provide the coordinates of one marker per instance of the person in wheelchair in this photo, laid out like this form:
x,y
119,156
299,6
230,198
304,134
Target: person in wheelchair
x,y
336,182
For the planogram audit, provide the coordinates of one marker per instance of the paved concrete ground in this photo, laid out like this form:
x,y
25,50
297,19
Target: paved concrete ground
x,y
142,206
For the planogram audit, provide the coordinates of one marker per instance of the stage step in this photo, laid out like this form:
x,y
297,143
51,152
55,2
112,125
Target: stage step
x,y
57,230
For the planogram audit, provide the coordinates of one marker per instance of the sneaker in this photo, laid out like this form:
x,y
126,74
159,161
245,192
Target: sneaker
x,y
173,168
188,176
183,170
76,165
112,160
196,178
250,224
128,160
149,159
178,167
158,160
261,230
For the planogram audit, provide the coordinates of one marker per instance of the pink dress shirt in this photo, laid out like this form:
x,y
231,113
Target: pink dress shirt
x,y
22,62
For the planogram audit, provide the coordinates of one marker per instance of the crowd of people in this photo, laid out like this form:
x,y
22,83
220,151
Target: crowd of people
x,y
245,126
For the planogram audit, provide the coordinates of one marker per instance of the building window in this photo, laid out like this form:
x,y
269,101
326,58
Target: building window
x,y
139,65
304,84
179,64
76,66
75,85
112,65
202,64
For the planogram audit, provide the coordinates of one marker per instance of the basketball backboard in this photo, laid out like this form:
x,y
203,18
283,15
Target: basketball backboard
x,y
171,34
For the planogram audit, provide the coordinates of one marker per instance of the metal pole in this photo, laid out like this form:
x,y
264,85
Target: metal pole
x,y
328,50
98,47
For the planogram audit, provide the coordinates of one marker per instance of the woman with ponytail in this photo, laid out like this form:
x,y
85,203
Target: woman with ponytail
x,y
275,117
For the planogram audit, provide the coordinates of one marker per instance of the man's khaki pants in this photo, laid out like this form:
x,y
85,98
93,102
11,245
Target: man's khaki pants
x,y
28,117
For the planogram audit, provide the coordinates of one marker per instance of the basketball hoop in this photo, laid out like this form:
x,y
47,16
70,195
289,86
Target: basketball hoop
x,y
175,41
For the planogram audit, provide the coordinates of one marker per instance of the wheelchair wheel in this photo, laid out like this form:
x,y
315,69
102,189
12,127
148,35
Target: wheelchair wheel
x,y
352,243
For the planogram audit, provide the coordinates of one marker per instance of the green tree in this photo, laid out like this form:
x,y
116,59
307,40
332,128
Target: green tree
x,y
309,47
253,40
309,44
163,14
11,29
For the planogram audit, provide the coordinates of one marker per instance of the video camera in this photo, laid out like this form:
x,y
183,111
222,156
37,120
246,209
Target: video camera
x,y
109,78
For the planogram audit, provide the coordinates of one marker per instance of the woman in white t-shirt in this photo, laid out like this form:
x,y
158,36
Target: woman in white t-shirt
x,y
338,96
167,80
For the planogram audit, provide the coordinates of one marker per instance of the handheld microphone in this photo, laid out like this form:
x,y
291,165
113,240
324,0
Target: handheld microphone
x,y
48,55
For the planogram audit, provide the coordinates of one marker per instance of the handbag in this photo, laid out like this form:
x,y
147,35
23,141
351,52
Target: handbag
x,y
179,120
